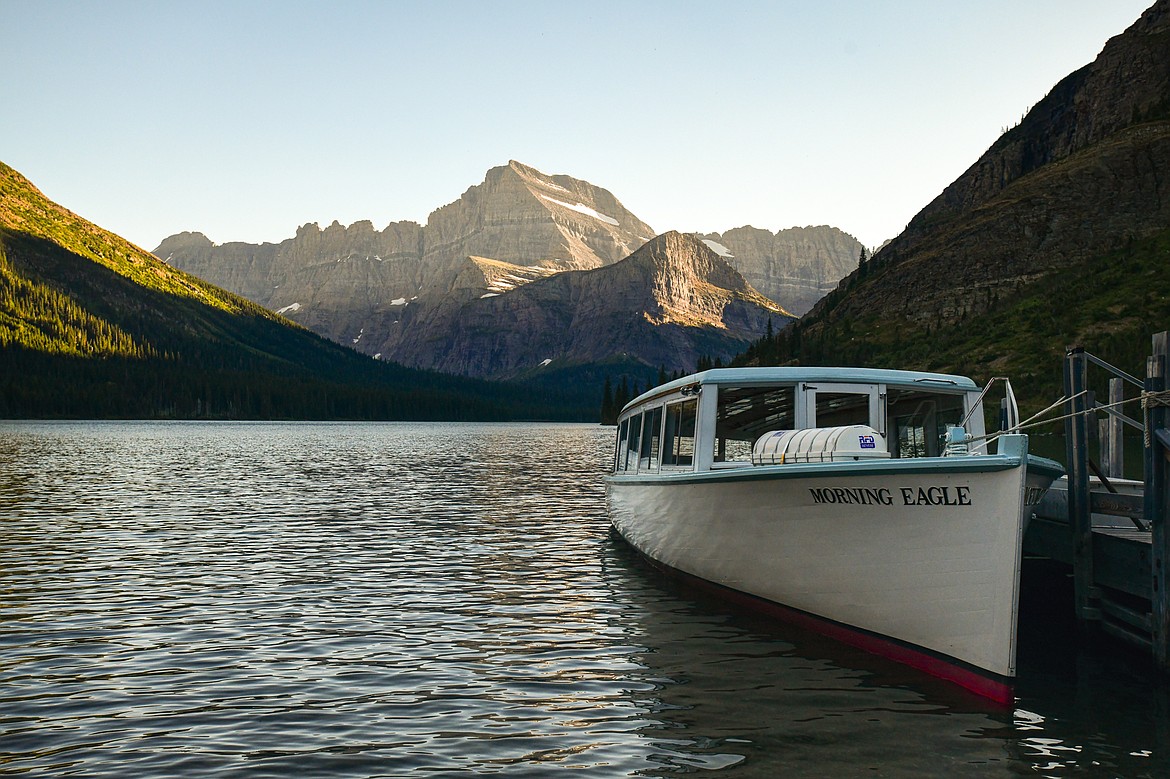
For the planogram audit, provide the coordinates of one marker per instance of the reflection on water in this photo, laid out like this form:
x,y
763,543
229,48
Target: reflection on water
x,y
371,600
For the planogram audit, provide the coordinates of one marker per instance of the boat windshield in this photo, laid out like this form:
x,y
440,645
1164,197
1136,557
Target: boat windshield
x,y
919,420
746,413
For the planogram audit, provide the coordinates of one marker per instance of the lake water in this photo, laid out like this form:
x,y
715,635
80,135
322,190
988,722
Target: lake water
x,y
360,600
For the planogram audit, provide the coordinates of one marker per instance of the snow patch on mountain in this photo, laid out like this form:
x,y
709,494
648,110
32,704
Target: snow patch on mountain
x,y
581,208
719,249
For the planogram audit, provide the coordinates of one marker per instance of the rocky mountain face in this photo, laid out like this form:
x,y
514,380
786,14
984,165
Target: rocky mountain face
x,y
404,293
331,281
1086,172
521,216
669,302
797,266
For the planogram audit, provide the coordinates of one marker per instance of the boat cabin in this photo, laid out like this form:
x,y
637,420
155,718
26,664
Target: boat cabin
x,y
713,420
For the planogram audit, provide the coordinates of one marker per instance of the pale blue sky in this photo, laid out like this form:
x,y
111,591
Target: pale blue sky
x,y
244,120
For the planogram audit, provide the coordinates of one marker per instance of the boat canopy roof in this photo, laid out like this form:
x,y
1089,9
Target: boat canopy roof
x,y
745,377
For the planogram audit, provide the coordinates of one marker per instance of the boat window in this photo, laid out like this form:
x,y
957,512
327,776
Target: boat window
x,y
679,440
746,413
619,460
842,408
651,433
920,420
631,453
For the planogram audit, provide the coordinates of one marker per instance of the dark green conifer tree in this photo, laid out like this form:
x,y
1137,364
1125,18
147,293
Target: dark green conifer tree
x,y
608,412
623,395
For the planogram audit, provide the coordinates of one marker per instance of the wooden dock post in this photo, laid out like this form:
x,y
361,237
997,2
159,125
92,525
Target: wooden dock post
x,y
1115,447
1109,433
1157,504
1076,428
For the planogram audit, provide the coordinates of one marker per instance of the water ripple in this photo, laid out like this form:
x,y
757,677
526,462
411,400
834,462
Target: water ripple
x,y
375,600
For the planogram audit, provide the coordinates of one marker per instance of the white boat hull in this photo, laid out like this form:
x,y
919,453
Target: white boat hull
x,y
929,560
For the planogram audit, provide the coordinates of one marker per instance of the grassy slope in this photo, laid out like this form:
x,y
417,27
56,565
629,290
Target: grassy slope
x,y
25,211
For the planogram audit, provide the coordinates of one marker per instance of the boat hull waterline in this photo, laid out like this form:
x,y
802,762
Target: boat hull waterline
x,y
920,564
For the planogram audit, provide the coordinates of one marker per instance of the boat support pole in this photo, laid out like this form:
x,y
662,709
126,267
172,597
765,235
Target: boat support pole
x,y
1157,450
1076,434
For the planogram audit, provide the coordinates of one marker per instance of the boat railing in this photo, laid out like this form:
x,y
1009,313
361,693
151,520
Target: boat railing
x,y
1081,406
1009,418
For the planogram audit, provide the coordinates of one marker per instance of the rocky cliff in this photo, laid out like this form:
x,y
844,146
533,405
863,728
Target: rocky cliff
x,y
342,282
665,305
522,216
1085,172
400,292
331,281
797,266
1085,175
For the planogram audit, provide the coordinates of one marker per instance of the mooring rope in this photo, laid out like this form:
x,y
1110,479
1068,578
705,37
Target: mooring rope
x,y
1028,423
1160,399
1155,399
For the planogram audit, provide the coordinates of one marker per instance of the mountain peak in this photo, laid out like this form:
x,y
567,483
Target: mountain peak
x,y
523,216
520,242
182,242
682,263
667,304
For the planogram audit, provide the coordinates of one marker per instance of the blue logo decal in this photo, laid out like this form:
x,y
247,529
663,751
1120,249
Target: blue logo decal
x,y
867,442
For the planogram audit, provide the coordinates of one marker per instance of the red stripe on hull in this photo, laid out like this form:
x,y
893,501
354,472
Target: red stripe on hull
x,y
984,684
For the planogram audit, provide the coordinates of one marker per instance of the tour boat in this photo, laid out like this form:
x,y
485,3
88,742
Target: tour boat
x,y
869,505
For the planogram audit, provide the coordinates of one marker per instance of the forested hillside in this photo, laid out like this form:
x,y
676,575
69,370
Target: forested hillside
x,y
1059,235
1110,306
93,326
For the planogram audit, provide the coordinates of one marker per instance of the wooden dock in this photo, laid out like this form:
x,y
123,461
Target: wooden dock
x,y
1111,531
